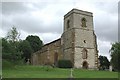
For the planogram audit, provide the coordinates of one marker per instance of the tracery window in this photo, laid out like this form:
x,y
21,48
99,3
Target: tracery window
x,y
83,21
84,53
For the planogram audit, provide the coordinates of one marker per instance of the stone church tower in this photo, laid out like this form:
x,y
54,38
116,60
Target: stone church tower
x,y
77,43
79,40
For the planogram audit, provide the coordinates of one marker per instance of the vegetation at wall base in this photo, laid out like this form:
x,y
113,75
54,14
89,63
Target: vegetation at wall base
x,y
64,64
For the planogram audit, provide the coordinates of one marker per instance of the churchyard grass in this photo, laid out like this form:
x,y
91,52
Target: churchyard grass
x,y
29,71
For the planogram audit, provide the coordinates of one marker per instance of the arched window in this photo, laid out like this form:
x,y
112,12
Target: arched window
x,y
68,24
83,21
84,53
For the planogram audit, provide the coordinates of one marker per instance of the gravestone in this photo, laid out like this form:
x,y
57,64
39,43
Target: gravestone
x,y
110,68
28,62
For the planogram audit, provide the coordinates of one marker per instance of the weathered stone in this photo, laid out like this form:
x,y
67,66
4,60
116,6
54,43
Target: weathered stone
x,y
78,35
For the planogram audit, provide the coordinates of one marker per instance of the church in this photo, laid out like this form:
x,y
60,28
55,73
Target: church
x,y
77,43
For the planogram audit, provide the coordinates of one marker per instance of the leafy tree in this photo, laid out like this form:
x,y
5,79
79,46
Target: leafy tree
x,y
35,42
13,34
6,49
13,40
25,47
10,44
9,51
5,46
115,55
104,62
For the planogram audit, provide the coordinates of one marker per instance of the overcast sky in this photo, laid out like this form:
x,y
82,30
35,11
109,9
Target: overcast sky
x,y
45,19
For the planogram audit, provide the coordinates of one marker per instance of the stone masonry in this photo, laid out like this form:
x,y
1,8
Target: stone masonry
x,y
77,43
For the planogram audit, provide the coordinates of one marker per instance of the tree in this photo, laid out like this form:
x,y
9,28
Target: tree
x,y
5,46
115,56
13,34
9,51
10,44
13,40
25,47
104,62
35,42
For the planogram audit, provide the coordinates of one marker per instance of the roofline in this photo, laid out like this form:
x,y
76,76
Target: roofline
x,y
51,42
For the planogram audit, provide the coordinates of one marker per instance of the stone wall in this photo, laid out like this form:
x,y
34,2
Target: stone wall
x,y
77,37
73,41
48,54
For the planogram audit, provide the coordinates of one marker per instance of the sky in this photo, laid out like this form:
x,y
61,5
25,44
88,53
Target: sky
x,y
45,19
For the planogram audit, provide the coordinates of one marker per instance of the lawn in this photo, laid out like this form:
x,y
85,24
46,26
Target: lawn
x,y
49,72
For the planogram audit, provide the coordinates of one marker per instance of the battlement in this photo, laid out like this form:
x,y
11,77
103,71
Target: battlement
x,y
77,11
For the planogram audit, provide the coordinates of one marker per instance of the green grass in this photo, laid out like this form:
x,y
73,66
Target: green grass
x,y
94,74
41,72
35,72
10,70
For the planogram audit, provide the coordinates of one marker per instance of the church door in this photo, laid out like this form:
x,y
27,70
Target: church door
x,y
55,58
85,65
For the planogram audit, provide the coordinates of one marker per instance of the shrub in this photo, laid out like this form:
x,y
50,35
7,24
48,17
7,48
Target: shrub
x,y
65,64
7,64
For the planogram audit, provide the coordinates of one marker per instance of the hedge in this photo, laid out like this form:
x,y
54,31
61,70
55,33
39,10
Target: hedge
x,y
65,64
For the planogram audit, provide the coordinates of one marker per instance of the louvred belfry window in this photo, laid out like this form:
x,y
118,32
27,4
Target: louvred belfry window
x,y
68,24
83,21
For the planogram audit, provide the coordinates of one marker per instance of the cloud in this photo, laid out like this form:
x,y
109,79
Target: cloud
x,y
106,27
11,8
45,37
45,19
105,16
0,15
119,21
104,50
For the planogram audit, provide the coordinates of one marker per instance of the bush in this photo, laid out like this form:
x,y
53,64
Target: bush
x,y
65,64
12,57
7,64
